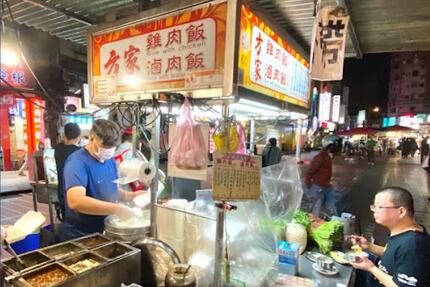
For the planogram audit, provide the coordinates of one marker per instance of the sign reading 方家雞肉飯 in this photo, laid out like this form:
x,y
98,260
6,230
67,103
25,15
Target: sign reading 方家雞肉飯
x,y
170,53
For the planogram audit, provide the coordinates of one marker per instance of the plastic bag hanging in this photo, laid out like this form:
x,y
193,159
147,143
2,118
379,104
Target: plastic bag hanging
x,y
227,138
188,146
242,139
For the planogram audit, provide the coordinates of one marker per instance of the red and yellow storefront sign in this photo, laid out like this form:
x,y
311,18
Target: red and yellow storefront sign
x,y
164,54
268,64
22,121
22,126
14,71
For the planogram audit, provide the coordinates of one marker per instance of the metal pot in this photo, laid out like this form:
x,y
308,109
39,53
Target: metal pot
x,y
124,234
180,275
157,258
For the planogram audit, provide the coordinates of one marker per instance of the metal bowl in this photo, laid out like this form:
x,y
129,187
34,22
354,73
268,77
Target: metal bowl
x,y
125,234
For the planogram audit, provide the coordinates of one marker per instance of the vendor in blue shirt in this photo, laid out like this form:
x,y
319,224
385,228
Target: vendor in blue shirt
x,y
89,175
405,260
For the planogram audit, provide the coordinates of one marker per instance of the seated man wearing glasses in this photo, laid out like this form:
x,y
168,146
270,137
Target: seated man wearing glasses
x,y
405,260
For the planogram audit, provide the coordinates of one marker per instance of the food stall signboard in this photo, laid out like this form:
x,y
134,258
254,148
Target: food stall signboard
x,y
324,107
335,113
236,176
179,52
268,64
328,43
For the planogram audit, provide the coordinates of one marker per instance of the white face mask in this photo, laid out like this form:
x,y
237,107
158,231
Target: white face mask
x,y
104,154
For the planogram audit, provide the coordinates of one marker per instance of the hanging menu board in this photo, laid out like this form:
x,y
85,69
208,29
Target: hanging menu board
x,y
236,177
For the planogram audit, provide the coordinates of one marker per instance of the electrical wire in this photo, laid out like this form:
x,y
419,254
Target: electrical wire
x,y
22,94
20,49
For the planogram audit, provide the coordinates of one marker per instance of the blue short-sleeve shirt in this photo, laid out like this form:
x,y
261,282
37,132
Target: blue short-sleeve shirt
x,y
82,169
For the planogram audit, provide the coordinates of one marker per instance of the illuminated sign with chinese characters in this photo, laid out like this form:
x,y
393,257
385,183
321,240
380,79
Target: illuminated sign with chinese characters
x,y
361,118
84,121
328,43
268,65
179,52
275,68
324,107
335,113
14,71
163,55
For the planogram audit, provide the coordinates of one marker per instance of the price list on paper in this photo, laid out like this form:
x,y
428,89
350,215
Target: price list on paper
x,y
236,176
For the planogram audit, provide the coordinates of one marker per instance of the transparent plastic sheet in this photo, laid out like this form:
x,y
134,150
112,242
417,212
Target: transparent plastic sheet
x,y
251,234
282,192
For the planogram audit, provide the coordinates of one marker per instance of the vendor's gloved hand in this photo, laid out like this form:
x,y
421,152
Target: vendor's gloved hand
x,y
136,193
124,212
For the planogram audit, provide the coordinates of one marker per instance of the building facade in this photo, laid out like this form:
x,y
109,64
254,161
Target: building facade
x,y
409,91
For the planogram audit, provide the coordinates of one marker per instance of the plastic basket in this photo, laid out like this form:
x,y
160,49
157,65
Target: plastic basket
x,y
29,243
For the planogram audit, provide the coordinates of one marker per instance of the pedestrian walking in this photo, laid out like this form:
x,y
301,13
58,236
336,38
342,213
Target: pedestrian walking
x,y
405,147
384,145
72,136
271,153
391,148
414,146
370,149
424,149
317,180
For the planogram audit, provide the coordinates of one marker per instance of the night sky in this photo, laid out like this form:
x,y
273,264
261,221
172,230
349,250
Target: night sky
x,y
368,81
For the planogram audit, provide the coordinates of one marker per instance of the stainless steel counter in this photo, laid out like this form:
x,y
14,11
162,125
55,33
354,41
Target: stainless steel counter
x,y
342,279
115,263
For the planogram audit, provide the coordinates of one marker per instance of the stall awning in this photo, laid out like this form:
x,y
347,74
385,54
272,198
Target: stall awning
x,y
380,25
398,128
66,19
357,131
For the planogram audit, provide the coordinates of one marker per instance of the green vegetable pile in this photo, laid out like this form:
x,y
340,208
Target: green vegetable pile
x,y
304,219
329,236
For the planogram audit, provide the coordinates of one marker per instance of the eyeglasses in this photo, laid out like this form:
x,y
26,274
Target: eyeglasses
x,y
378,208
